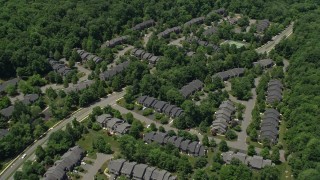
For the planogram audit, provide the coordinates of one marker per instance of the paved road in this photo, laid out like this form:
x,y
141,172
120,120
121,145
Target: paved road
x,y
247,116
80,115
271,44
93,169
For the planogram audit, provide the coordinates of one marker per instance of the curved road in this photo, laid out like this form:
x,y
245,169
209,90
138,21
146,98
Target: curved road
x,y
79,115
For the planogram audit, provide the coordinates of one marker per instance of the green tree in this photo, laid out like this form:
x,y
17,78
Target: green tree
x,y
231,135
265,153
251,150
240,171
223,146
40,153
270,173
102,146
11,90
200,162
275,156
200,174
205,140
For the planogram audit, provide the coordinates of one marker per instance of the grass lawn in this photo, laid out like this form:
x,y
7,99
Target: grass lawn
x,y
102,176
51,122
255,144
87,139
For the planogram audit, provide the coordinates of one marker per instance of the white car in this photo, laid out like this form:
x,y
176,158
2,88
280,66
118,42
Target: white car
x,y
23,156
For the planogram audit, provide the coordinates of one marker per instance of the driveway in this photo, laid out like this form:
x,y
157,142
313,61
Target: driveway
x,y
94,168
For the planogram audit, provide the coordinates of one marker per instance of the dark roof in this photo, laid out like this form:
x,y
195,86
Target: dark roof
x,y
143,25
190,88
149,137
113,121
116,41
168,109
122,128
127,168
192,146
263,25
211,30
178,141
224,75
155,175
167,32
141,99
265,62
149,172
162,174
139,170
115,70
115,166
69,159
149,101
184,144
172,139
13,82
160,137
273,111
197,20
160,104
7,112
275,82
102,118
3,132
85,56
31,97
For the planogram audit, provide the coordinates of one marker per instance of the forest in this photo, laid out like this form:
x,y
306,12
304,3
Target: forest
x,y
32,31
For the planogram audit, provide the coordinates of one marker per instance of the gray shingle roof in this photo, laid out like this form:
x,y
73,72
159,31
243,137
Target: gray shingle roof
x,y
225,75
139,170
143,25
115,70
193,21
166,33
5,84
7,112
192,87
265,63
127,168
160,137
149,137
210,31
184,145
113,121
68,161
178,141
263,25
122,128
159,105
149,172
115,166
116,41
102,118
3,132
